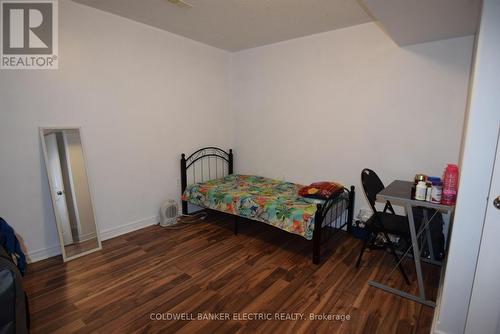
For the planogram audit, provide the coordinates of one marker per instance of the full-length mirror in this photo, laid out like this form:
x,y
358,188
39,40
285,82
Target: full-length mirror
x,y
70,191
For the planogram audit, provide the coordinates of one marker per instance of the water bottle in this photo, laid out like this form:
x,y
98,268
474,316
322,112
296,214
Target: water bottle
x,y
450,185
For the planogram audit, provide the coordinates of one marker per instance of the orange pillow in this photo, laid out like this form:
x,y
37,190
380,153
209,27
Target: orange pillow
x,y
321,190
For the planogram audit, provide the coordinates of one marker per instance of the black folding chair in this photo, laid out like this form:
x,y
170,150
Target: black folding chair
x,y
382,222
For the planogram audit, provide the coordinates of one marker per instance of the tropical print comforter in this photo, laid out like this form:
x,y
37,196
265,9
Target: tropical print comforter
x,y
270,201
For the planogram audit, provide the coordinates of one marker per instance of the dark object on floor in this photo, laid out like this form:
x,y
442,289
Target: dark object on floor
x,y
358,230
436,228
9,241
384,222
14,313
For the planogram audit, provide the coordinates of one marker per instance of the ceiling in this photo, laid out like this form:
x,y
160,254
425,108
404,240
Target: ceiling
x,y
235,25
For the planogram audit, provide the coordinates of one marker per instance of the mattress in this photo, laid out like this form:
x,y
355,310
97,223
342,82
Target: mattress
x,y
273,202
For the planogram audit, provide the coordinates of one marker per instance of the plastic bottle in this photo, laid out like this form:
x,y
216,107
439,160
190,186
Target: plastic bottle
x,y
420,191
437,190
450,185
428,194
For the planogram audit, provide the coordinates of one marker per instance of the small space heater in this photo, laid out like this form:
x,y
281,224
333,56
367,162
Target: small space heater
x,y
169,213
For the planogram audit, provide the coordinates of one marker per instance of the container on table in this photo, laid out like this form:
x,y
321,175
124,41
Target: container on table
x,y
420,191
428,191
450,185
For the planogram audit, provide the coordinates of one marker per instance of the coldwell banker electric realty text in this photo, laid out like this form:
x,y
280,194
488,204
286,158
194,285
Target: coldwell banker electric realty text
x,y
29,33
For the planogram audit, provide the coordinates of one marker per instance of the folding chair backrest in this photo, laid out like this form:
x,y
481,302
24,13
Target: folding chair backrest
x,y
372,185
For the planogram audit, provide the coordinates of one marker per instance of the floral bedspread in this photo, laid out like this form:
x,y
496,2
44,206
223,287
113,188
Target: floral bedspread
x,y
270,201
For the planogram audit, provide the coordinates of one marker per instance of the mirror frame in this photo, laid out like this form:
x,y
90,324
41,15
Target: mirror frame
x,y
52,192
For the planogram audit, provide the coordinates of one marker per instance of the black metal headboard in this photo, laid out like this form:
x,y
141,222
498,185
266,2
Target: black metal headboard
x,y
206,164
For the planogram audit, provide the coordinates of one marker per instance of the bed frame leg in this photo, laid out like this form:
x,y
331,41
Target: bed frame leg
x,y
236,225
350,212
317,236
183,183
316,252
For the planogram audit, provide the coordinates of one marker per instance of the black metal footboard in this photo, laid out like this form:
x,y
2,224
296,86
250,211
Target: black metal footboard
x,y
336,213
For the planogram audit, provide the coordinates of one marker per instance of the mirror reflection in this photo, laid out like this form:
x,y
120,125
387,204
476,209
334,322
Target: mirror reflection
x,y
70,192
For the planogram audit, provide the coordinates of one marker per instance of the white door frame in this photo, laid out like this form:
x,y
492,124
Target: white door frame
x,y
484,306
476,165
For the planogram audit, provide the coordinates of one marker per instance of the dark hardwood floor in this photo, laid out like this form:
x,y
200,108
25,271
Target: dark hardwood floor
x,y
205,269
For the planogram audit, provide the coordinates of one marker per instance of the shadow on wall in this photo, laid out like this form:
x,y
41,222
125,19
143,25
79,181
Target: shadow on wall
x,y
440,52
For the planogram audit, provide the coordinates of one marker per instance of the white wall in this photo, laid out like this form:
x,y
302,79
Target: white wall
x,y
479,148
324,107
141,95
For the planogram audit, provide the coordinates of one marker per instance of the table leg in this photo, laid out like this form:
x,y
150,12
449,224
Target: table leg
x,y
428,233
421,298
402,294
414,242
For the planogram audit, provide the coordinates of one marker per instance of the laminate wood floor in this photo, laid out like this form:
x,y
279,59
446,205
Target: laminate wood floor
x,y
204,270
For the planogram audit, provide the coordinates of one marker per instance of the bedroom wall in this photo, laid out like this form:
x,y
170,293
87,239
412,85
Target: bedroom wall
x,y
141,95
326,106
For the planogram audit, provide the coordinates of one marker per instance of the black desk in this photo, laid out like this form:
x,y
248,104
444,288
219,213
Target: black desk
x,y
399,192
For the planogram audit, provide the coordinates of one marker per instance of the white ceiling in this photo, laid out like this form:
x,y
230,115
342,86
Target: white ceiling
x,y
235,25
239,24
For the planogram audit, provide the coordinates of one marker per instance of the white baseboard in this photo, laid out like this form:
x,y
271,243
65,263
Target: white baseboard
x,y
51,251
43,254
130,227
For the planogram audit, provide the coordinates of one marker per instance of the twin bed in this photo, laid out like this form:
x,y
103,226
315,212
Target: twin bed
x,y
208,181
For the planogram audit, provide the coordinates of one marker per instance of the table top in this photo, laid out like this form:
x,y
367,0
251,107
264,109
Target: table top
x,y
400,191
